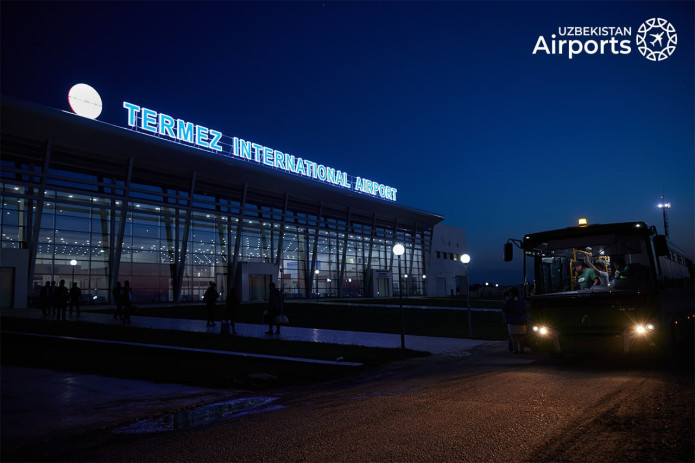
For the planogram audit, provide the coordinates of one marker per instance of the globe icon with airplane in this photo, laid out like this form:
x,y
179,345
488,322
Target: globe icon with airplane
x,y
656,39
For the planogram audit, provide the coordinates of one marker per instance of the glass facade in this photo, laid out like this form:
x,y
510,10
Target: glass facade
x,y
171,240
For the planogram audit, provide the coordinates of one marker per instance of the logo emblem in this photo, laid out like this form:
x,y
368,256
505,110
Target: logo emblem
x,y
586,320
656,39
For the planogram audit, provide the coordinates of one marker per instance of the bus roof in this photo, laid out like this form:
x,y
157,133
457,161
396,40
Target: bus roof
x,y
639,228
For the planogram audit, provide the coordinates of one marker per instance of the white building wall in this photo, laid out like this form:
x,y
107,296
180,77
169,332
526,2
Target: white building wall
x,y
446,275
14,282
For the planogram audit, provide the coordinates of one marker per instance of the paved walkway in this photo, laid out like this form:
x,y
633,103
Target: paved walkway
x,y
39,404
434,345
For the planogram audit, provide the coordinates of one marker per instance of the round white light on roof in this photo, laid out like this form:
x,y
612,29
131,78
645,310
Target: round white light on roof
x,y
84,101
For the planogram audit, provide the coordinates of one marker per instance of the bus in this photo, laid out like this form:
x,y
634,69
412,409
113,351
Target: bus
x,y
641,300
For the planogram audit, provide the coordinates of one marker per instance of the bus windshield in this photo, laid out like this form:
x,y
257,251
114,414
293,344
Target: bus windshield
x,y
591,262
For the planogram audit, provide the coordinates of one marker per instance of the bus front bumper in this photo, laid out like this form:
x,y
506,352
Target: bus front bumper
x,y
638,338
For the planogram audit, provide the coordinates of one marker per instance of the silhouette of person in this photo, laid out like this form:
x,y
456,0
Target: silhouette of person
x,y
54,297
274,308
75,298
209,298
515,313
61,301
45,298
117,293
127,302
232,303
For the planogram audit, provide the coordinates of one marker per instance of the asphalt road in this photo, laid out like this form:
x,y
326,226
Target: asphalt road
x,y
490,406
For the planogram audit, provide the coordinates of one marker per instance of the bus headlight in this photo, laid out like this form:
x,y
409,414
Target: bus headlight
x,y
541,330
644,328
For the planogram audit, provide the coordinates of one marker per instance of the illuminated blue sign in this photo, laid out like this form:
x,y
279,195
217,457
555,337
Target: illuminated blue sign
x,y
163,125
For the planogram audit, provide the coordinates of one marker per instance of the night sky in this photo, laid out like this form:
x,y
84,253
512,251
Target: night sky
x,y
444,101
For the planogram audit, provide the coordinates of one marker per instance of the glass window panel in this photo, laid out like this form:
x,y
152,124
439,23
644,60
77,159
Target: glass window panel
x,y
67,222
10,232
145,256
147,267
148,229
73,237
99,255
145,244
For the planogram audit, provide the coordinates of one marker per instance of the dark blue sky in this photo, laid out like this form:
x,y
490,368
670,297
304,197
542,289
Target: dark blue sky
x,y
444,101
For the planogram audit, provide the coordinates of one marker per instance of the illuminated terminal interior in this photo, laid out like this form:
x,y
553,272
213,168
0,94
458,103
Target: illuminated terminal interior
x,y
170,218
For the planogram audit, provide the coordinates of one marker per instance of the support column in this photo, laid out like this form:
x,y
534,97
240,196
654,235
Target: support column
x,y
412,255
33,245
118,239
395,240
426,262
279,260
341,272
372,233
412,250
310,277
230,280
237,241
184,242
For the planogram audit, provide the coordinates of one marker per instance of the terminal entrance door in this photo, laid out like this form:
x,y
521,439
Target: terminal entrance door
x,y
258,287
382,287
441,286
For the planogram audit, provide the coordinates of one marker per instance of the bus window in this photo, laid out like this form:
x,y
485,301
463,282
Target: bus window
x,y
554,262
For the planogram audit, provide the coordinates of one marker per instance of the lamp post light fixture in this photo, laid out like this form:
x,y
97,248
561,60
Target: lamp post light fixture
x,y
465,259
317,285
664,206
73,263
398,250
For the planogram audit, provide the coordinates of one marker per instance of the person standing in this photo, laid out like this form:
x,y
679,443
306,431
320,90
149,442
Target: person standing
x,y
45,298
209,298
515,313
118,300
232,303
61,300
274,308
75,298
586,277
127,302
603,276
54,297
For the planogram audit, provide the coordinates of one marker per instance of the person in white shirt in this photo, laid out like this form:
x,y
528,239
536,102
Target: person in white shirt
x,y
603,277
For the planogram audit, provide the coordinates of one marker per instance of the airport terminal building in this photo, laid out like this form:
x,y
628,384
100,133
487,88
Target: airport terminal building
x,y
94,203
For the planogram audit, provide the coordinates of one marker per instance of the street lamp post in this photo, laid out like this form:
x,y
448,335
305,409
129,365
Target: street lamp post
x,y
398,250
317,285
328,281
405,277
73,263
424,285
465,259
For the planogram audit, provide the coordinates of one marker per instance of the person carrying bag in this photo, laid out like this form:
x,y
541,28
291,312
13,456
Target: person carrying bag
x,y
275,310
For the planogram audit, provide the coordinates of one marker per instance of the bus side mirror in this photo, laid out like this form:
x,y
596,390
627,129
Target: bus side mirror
x,y
660,246
508,252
